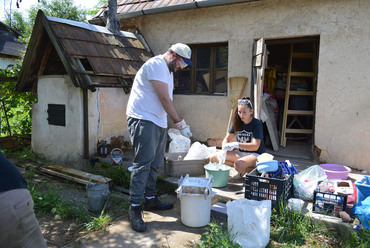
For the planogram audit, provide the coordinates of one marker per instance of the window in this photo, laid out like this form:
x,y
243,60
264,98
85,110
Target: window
x,y
57,114
208,75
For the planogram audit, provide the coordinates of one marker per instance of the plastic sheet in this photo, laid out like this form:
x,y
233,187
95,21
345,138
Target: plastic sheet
x,y
306,182
249,222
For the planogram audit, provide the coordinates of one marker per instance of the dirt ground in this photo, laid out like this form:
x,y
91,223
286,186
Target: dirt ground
x,y
57,232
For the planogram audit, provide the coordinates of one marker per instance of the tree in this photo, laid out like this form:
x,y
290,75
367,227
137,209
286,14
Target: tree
x,y
19,105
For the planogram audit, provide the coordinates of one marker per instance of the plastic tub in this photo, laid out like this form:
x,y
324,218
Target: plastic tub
x,y
336,171
363,188
220,173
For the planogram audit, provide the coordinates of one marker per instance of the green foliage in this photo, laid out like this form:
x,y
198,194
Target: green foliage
x,y
216,236
120,176
96,8
51,202
17,104
99,223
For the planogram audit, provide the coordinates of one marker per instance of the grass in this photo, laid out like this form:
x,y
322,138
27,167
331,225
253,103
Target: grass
x,y
289,229
99,223
51,202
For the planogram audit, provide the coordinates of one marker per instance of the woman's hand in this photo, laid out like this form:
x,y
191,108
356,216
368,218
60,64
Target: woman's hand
x,y
230,146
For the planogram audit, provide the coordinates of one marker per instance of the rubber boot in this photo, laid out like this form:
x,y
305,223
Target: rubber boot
x,y
155,204
136,219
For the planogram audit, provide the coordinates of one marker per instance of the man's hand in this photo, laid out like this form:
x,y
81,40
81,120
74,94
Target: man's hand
x,y
184,128
230,146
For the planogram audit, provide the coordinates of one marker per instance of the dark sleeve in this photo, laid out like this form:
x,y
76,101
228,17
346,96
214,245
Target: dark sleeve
x,y
10,177
258,130
231,130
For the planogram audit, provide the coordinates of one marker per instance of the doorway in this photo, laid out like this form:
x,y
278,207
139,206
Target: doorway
x,y
290,77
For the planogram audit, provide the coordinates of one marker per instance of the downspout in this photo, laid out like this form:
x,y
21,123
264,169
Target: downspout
x,y
85,122
185,6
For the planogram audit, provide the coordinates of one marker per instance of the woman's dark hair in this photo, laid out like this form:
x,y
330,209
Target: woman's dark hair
x,y
237,121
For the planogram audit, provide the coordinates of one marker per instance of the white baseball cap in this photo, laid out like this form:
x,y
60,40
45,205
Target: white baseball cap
x,y
183,51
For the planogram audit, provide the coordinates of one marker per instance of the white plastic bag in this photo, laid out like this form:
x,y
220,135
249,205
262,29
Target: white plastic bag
x,y
249,222
179,143
199,151
305,182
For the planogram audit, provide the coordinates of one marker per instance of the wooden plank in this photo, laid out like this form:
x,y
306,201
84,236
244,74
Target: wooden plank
x,y
74,175
271,125
302,74
305,131
300,112
301,93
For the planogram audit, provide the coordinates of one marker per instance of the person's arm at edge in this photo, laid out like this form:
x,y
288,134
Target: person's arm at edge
x,y
162,92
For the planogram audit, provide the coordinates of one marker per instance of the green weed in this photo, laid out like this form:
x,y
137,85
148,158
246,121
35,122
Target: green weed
x,y
99,223
216,235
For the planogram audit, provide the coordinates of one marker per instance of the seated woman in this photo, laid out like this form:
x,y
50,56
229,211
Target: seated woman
x,y
249,144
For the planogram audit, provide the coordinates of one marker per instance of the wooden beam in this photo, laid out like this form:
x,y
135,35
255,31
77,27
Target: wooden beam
x,y
74,175
8,79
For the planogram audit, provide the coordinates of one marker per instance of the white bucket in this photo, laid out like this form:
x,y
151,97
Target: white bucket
x,y
196,209
195,200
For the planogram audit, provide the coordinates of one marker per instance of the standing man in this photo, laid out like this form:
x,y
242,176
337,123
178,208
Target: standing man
x,y
18,224
149,103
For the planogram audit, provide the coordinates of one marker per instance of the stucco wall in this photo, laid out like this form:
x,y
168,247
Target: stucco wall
x,y
63,145
342,110
4,62
107,116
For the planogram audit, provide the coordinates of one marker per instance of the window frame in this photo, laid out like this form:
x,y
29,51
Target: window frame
x,y
212,70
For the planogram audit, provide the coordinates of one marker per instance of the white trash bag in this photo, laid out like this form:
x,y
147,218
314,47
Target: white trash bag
x,y
179,143
305,182
249,222
199,151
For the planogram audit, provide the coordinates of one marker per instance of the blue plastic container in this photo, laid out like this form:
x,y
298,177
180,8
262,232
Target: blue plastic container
x,y
363,188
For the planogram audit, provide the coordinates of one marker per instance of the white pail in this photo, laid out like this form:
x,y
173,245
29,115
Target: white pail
x,y
195,200
195,209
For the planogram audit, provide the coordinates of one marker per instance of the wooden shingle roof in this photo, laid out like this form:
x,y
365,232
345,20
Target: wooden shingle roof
x,y
91,55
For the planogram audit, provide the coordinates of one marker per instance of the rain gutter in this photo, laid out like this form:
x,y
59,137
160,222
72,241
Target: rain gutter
x,y
186,6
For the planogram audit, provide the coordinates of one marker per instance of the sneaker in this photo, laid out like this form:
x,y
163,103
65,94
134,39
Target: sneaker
x,y
155,204
136,219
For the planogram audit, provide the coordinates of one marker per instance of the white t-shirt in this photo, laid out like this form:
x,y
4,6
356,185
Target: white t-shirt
x,y
143,102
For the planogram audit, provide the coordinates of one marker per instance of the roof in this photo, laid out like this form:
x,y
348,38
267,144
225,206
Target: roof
x,y
91,55
133,8
9,46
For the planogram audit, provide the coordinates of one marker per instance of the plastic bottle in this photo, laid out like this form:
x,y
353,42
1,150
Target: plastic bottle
x,y
104,149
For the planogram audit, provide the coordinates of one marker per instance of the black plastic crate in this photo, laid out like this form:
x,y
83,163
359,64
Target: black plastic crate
x,y
328,203
263,188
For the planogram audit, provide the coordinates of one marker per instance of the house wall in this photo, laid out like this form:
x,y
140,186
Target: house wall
x,y
63,145
4,62
342,110
107,116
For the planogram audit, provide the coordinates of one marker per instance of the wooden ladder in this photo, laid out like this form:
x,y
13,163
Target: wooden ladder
x,y
286,127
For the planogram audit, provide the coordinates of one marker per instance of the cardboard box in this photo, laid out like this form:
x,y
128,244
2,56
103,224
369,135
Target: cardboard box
x,y
175,166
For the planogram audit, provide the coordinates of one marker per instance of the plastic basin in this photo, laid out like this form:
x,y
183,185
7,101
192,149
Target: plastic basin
x,y
336,171
220,173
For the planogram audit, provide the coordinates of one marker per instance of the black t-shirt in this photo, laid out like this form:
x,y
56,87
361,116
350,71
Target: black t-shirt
x,y
10,177
253,129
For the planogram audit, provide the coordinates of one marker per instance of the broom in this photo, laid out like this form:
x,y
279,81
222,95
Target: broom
x,y
237,89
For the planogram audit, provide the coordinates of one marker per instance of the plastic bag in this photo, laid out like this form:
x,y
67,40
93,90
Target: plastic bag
x,y
249,222
362,211
305,182
199,151
179,143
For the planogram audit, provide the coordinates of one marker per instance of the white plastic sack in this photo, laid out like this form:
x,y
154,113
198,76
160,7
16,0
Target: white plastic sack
x,y
249,222
179,143
305,182
199,151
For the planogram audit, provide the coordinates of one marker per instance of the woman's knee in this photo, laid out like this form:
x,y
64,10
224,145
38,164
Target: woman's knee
x,y
213,158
